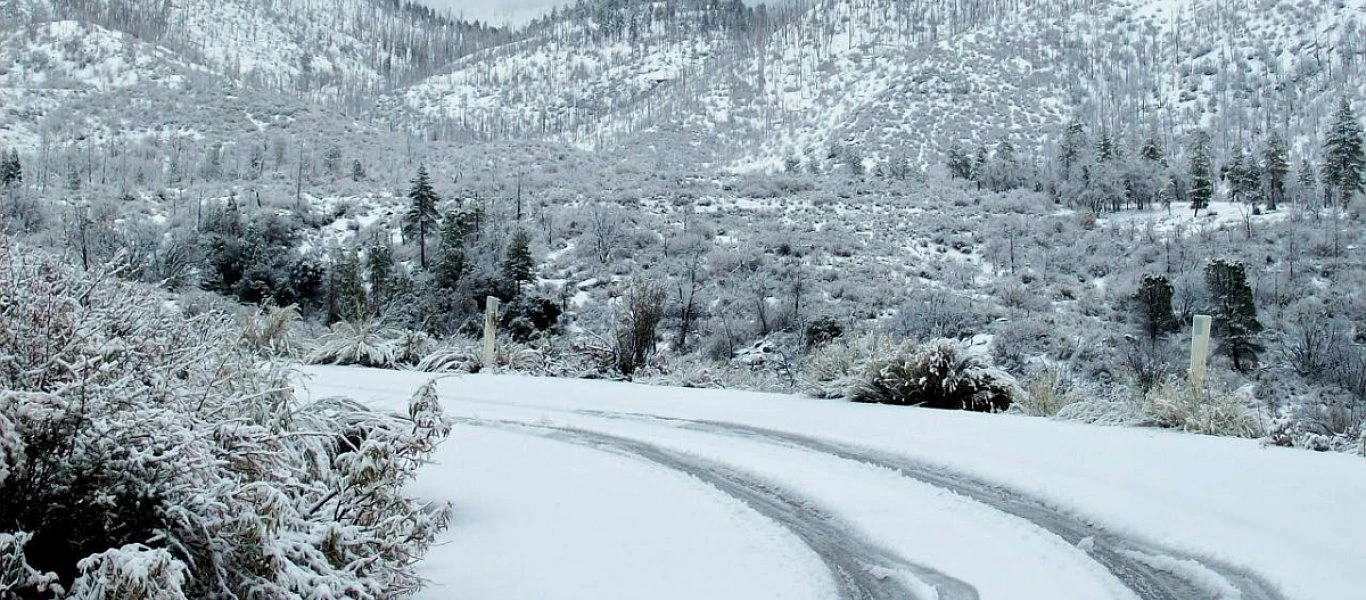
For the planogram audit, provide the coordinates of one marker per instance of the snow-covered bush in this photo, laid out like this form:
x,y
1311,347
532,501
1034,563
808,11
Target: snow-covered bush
x,y
1049,391
270,331
1117,412
1292,433
367,343
453,355
833,369
1174,405
946,374
145,453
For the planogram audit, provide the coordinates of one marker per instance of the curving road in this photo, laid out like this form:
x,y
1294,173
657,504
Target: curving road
x,y
882,517
861,570
1143,567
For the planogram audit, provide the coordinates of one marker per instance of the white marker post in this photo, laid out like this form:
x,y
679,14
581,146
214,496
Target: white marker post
x,y
490,332
1199,352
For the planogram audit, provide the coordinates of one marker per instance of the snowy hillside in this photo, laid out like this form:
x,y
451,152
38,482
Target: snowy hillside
x,y
677,493
908,79
330,50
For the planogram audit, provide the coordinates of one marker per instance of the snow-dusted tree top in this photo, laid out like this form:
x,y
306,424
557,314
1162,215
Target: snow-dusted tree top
x,y
145,453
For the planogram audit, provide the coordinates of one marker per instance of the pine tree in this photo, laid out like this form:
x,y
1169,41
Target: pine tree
x,y
1105,148
421,217
1069,153
1201,171
1152,151
960,165
1275,169
518,265
1235,313
453,254
11,170
379,262
979,165
347,290
1345,158
1244,177
1154,298
1308,180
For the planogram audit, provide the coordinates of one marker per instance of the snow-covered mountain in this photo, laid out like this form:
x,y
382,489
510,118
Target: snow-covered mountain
x,y
703,82
906,78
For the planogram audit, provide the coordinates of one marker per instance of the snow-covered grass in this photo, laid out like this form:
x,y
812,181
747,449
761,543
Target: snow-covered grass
x,y
1284,514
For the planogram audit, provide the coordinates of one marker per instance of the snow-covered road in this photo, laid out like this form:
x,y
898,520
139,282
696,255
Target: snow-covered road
x,y
582,489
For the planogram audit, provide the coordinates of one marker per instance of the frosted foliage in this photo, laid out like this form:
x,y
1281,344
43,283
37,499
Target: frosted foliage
x,y
133,572
367,344
943,373
834,368
149,454
11,449
15,573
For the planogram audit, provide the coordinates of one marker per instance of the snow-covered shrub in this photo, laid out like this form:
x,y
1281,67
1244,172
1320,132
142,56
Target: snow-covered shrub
x,y
833,369
147,454
1293,433
456,355
270,331
367,343
1118,412
822,331
410,347
1018,344
687,370
1174,405
133,571
1049,391
946,374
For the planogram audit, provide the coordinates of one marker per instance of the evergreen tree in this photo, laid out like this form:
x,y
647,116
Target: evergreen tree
x,y
457,233
960,165
1069,153
346,293
421,217
1201,171
1244,177
1344,160
1234,312
11,170
1275,169
1308,180
518,266
979,165
1105,148
1152,151
1154,300
379,262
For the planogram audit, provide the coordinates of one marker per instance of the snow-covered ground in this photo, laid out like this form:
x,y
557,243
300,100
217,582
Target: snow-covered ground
x,y
585,489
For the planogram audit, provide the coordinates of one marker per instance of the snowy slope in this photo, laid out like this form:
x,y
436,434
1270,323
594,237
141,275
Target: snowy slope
x,y
910,79
68,63
328,50
1203,514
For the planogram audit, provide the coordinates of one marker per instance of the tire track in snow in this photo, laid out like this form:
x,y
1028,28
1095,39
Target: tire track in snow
x,y
1150,571
861,569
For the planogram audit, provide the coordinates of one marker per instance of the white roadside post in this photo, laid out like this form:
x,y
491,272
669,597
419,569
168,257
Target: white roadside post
x,y
490,332
1199,352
